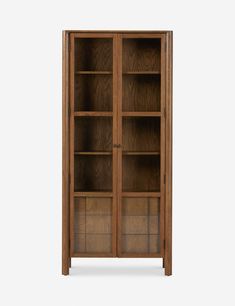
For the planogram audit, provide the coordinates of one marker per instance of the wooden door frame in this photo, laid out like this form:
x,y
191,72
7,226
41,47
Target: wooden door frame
x,y
68,146
73,36
164,101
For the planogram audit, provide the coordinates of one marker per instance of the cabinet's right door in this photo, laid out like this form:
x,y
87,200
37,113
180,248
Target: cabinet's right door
x,y
141,126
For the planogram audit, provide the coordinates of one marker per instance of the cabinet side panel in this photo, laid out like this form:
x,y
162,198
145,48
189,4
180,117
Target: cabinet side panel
x,y
168,188
65,156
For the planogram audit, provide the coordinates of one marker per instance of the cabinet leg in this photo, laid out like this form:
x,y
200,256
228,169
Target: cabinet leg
x,y
168,266
65,270
163,262
65,266
69,260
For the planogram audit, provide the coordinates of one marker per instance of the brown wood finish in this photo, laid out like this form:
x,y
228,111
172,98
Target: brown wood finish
x,y
71,173
93,134
168,188
66,260
117,150
141,114
141,54
141,134
93,225
93,194
94,92
141,173
163,139
95,54
140,225
93,114
141,92
119,125
93,173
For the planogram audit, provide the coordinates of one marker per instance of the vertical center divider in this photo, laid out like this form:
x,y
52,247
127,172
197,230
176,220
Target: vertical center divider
x,y
114,149
119,126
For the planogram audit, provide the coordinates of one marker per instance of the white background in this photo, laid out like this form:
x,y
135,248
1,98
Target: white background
x,y
30,163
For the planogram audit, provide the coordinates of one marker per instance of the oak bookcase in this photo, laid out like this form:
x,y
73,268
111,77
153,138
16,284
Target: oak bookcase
x,y
117,145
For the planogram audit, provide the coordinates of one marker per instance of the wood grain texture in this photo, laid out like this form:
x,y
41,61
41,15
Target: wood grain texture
x,y
140,153
141,114
92,114
143,244
119,137
141,54
115,149
98,194
93,173
141,173
168,188
140,206
93,153
142,72
141,93
65,158
162,146
141,134
141,194
92,72
93,92
71,139
93,54
93,134
93,206
93,243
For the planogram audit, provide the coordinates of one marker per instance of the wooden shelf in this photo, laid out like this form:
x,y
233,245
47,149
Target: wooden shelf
x,y
93,114
141,194
93,72
141,72
92,153
110,153
141,114
100,194
140,153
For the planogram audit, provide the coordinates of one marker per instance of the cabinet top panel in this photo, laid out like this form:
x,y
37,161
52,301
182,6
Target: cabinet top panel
x,y
119,31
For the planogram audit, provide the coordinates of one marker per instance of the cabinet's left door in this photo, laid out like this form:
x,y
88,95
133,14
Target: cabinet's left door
x,y
92,155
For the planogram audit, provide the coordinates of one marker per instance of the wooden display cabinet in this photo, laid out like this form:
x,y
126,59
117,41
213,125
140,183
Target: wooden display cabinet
x,y
117,145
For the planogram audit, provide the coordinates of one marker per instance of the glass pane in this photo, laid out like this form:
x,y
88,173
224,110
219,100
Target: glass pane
x,y
93,134
93,54
141,154
93,74
92,225
140,225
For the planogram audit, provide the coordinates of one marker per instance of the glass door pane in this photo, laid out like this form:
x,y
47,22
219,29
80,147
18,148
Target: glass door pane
x,y
92,225
141,120
93,219
140,225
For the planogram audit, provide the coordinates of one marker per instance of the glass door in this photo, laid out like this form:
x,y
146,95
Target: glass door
x,y
141,120
93,221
